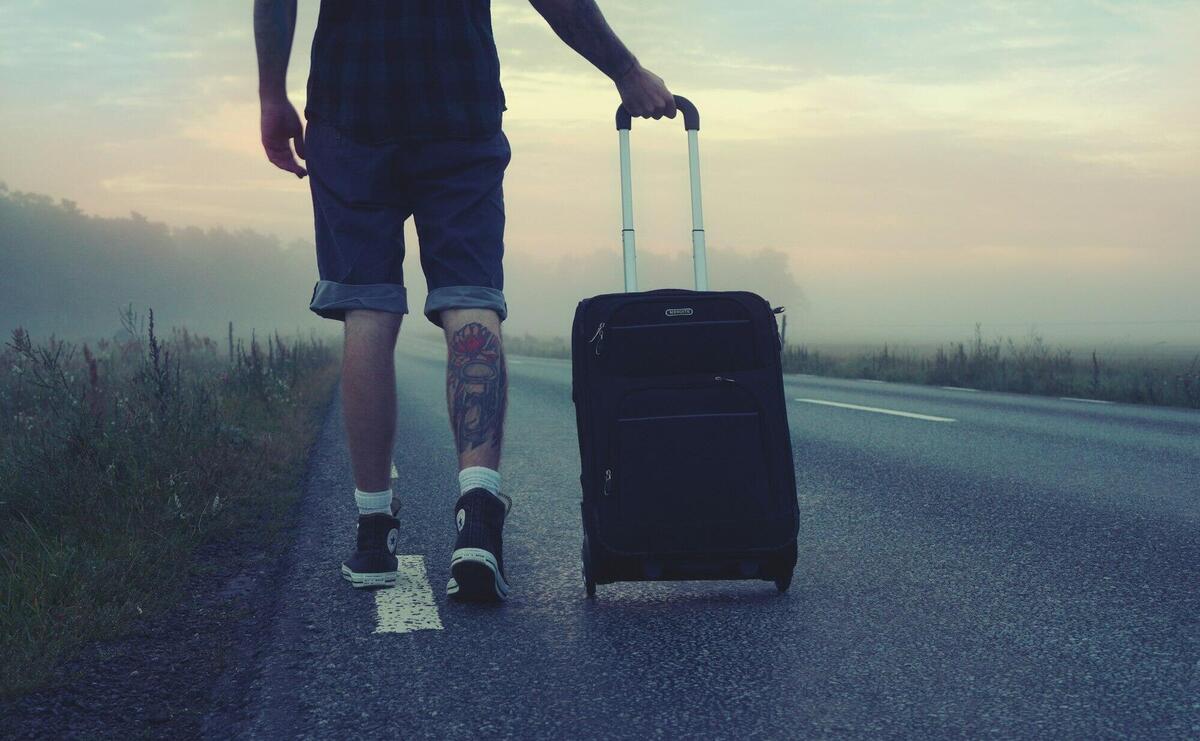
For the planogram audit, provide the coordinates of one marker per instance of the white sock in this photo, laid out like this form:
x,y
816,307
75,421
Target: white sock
x,y
478,477
373,502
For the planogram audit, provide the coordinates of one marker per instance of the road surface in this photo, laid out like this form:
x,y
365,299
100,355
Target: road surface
x,y
971,564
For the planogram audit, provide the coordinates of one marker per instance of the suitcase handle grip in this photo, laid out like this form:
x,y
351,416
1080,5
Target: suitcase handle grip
x,y
691,124
691,116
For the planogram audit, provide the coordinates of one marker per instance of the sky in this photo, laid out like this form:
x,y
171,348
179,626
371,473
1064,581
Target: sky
x,y
924,166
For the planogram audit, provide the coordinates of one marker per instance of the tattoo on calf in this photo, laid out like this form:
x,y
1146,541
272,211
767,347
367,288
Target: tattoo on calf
x,y
475,387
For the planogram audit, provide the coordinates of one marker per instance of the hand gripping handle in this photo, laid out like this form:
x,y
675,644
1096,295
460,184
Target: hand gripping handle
x,y
691,124
691,116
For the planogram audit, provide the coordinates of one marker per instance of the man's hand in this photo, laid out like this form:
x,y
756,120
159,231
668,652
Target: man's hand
x,y
281,123
644,94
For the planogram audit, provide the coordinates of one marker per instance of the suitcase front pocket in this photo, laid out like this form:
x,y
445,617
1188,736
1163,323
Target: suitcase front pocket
x,y
688,471
672,348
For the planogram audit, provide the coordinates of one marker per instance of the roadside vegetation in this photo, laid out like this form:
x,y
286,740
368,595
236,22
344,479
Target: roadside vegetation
x,y
1029,366
119,458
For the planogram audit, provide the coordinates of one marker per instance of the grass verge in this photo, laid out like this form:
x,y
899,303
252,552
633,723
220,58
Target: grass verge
x,y
117,462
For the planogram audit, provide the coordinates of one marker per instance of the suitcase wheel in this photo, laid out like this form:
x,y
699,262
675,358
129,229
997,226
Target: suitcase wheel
x,y
783,581
589,584
787,564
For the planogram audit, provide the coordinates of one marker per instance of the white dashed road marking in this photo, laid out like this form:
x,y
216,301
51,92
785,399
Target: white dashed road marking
x,y
409,605
877,410
1086,401
395,473
959,388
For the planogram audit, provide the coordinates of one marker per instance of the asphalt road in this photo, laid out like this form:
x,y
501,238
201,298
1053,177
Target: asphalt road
x,y
1029,569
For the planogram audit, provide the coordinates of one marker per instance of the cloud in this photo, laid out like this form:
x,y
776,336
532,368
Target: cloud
x,y
907,159
232,127
143,182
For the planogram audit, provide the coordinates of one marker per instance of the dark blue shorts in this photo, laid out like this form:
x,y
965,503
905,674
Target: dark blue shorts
x,y
362,195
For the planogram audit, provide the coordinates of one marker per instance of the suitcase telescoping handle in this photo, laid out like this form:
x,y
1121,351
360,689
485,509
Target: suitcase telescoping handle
x,y
691,123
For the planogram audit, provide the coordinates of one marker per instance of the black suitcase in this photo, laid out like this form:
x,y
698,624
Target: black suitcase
x,y
686,456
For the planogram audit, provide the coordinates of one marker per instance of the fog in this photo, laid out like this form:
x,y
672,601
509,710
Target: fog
x,y
69,273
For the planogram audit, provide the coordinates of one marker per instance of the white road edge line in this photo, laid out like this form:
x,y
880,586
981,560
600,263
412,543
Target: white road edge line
x,y
1086,401
871,380
893,412
959,388
395,473
409,605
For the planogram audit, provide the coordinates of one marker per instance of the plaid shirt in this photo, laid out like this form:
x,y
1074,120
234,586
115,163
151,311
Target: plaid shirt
x,y
385,70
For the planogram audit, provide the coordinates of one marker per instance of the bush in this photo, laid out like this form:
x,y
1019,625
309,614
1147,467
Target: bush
x,y
116,461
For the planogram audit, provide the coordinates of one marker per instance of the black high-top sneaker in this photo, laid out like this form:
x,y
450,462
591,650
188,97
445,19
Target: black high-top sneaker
x,y
477,564
373,563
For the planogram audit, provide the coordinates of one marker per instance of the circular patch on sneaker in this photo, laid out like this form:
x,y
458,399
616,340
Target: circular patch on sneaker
x,y
462,518
393,537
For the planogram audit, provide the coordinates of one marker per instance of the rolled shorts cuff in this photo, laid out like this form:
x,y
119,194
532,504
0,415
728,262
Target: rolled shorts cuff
x,y
332,300
464,297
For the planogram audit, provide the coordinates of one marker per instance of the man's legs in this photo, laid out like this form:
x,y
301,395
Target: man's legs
x,y
476,385
360,204
369,408
369,395
476,398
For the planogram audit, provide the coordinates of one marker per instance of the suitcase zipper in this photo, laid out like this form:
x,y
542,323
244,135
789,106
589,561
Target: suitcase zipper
x,y
607,481
598,338
775,323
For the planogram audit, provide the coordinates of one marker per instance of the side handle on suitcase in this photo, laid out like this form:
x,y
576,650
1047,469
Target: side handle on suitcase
x,y
691,123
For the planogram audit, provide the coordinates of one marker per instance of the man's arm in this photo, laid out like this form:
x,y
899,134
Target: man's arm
x,y
274,27
581,25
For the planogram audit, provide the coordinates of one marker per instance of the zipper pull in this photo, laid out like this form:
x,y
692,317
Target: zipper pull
x,y
778,335
723,379
598,338
607,481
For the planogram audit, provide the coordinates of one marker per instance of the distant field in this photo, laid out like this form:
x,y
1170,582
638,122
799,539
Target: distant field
x,y
118,458
1028,366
